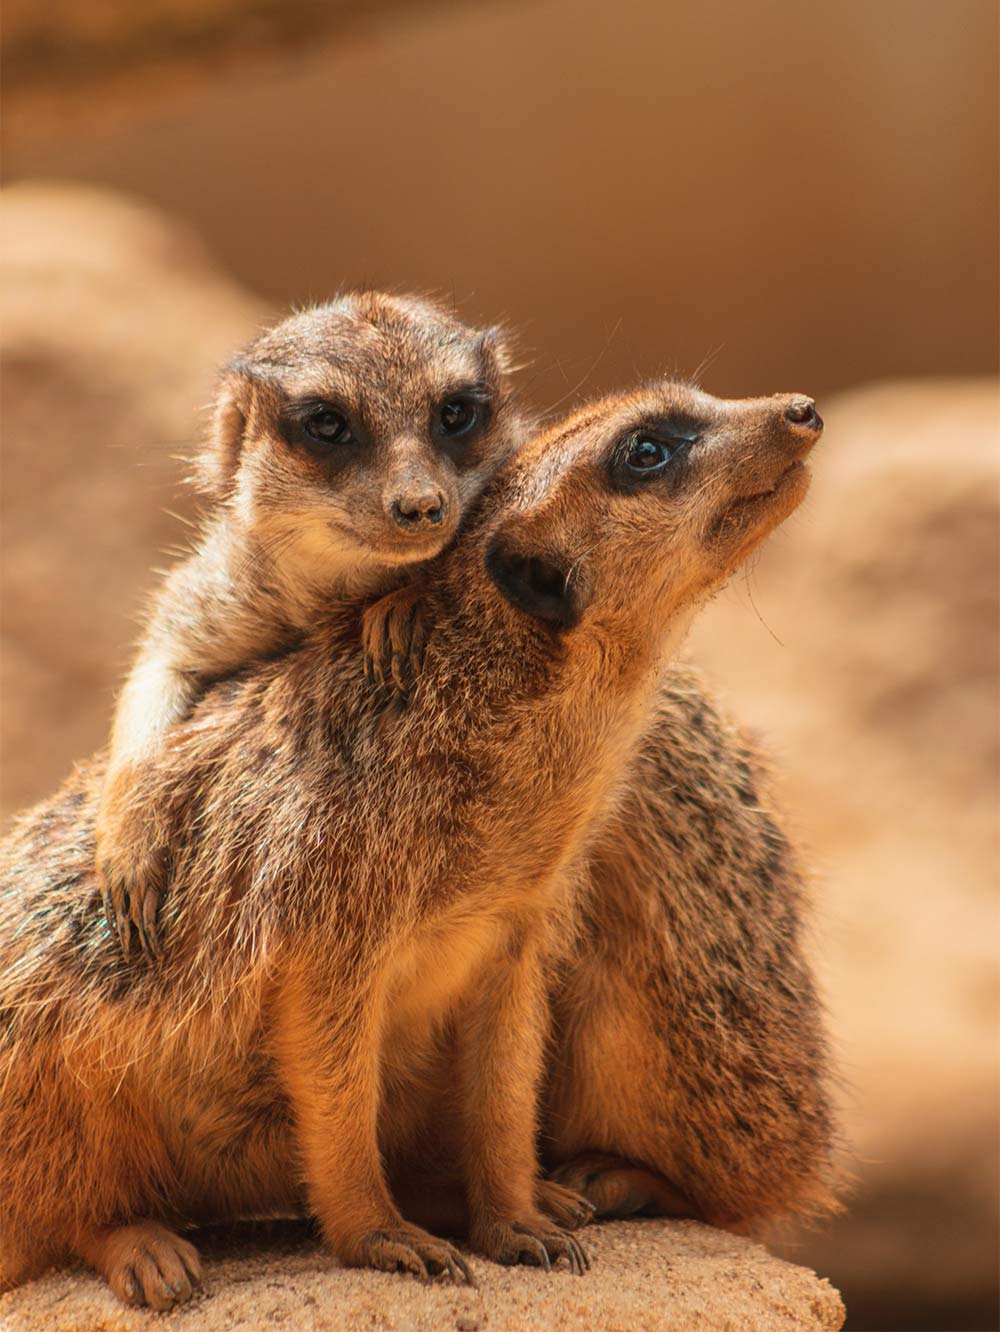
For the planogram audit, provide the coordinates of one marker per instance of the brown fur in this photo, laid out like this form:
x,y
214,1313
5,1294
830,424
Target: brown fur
x,y
690,1048
356,885
688,1073
295,524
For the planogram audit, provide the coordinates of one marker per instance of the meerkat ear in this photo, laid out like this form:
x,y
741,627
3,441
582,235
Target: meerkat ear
x,y
496,349
219,459
540,585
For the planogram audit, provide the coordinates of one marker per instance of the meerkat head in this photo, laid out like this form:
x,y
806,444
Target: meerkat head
x,y
637,508
361,431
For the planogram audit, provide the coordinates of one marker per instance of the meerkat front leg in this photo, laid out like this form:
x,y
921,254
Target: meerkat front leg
x,y
501,1042
327,1048
131,839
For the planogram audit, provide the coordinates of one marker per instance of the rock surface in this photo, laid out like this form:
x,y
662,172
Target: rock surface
x,y
645,1275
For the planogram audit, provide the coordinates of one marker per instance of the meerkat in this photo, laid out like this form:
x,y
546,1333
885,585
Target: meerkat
x,y
690,1073
347,444
270,552
354,884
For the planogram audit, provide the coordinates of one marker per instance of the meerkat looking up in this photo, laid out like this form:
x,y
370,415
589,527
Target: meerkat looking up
x,y
347,444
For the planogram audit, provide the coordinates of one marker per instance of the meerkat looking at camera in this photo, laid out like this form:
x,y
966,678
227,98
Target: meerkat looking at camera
x,y
348,442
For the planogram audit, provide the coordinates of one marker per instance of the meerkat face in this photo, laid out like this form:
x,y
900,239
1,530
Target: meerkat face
x,y
360,432
639,506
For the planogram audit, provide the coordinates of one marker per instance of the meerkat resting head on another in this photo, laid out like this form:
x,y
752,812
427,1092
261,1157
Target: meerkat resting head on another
x,y
351,438
347,444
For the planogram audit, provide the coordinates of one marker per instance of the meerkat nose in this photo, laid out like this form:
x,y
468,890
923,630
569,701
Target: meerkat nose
x,y
801,411
425,510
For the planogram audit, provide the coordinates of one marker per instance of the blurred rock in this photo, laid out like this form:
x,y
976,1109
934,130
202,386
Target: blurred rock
x,y
114,322
647,1275
64,60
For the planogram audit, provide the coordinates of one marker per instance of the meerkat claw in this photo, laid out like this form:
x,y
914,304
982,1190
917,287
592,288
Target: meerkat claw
x,y
149,937
567,1207
123,925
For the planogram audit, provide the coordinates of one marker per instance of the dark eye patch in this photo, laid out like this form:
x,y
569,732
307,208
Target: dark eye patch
x,y
323,427
461,417
652,451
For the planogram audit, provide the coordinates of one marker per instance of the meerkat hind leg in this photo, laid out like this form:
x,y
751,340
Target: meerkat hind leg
x,y
617,1188
144,1262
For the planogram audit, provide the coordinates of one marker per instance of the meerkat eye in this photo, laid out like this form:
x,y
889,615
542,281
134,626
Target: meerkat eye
x,y
458,416
328,427
646,454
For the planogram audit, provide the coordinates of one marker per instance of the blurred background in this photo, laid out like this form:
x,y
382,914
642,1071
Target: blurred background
x,y
775,195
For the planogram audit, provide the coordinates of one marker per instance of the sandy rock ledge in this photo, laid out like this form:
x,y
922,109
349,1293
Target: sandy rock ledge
x,y
646,1275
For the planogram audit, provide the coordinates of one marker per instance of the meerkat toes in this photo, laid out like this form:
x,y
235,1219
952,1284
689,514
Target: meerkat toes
x,y
411,1250
529,1241
564,1206
145,1263
394,634
131,894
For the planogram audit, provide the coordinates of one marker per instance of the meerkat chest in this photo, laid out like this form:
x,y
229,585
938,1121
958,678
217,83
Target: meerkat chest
x,y
438,967
432,973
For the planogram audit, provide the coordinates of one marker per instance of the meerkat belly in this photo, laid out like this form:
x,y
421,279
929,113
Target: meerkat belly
x,y
430,976
427,984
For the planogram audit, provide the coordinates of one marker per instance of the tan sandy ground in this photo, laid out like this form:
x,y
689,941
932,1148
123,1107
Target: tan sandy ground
x,y
645,1275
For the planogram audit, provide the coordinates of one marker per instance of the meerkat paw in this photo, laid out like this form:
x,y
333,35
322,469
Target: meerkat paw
x,y
564,1206
410,1250
145,1263
131,901
529,1241
131,869
393,636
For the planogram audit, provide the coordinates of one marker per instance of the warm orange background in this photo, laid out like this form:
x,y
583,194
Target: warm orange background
x,y
806,195
806,191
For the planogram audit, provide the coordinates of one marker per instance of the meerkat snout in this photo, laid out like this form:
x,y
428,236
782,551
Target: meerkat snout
x,y
765,448
801,411
417,507
798,412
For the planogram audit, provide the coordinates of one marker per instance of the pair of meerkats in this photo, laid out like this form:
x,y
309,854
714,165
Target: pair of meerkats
x,y
413,868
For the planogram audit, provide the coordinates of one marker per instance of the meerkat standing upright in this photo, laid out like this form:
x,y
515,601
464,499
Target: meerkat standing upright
x,y
347,444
